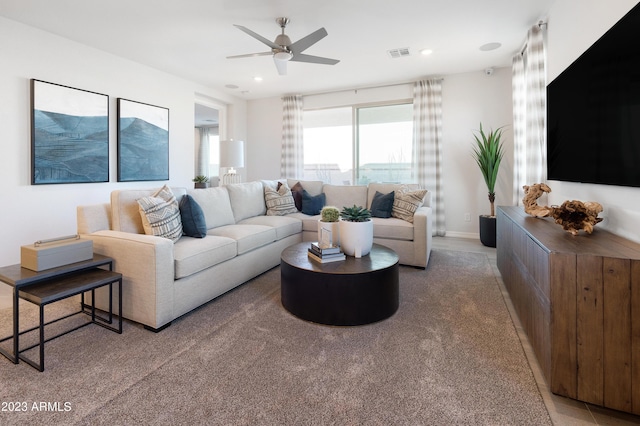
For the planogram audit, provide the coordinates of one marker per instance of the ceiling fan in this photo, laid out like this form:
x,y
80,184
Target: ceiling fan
x,y
283,50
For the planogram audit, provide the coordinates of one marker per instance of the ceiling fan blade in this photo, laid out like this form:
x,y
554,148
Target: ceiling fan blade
x,y
281,66
306,42
257,36
313,59
250,55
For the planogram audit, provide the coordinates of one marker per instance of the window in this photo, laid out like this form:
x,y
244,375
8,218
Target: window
x,y
384,142
328,147
214,153
377,148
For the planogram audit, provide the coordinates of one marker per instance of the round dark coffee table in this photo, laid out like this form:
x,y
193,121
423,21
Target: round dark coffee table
x,y
349,292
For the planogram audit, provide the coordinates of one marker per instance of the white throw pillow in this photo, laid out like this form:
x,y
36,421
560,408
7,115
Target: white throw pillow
x,y
405,203
279,202
160,214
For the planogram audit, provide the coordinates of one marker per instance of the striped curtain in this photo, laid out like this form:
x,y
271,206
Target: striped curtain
x,y
529,110
427,145
292,161
203,152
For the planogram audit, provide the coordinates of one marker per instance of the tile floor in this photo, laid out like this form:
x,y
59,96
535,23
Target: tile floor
x,y
563,411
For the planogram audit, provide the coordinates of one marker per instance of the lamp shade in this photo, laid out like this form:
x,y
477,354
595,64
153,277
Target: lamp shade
x,y
231,153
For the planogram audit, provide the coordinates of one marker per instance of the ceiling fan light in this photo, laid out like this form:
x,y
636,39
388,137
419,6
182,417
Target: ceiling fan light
x,y
283,56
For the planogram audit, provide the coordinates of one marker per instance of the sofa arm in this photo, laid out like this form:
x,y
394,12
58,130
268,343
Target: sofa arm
x,y
147,266
422,235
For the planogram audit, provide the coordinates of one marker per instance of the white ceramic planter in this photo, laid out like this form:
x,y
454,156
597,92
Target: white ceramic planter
x,y
333,227
356,238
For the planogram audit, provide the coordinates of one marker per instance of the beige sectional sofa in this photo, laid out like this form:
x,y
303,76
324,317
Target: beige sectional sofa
x,y
164,279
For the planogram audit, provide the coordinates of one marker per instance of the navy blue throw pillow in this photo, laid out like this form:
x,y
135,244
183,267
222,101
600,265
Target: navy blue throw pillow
x,y
193,222
382,205
312,205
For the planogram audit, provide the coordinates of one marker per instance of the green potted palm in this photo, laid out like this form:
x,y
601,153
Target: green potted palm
x,y
356,231
488,152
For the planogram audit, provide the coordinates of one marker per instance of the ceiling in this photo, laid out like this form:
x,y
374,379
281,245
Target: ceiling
x,y
192,38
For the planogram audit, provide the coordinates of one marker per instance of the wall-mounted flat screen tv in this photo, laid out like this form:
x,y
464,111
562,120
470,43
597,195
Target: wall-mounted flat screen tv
x,y
593,111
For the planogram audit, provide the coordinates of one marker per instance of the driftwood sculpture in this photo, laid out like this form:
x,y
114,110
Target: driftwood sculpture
x,y
572,215
530,200
575,215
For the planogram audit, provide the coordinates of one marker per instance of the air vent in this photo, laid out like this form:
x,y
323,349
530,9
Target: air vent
x,y
399,53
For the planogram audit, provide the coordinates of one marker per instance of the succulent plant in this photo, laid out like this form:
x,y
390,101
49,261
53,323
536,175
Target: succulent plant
x,y
355,214
330,214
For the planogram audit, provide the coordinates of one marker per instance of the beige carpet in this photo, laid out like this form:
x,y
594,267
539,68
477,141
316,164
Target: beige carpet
x,y
450,355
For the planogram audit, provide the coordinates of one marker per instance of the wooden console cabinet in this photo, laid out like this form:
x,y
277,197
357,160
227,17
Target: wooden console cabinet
x,y
578,298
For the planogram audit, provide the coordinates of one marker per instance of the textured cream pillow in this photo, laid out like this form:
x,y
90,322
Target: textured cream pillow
x,y
405,203
160,214
279,202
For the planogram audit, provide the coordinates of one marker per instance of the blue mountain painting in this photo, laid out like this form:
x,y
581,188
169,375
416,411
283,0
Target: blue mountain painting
x,y
70,148
143,151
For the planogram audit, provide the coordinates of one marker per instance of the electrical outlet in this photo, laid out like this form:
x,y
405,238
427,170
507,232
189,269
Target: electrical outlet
x,y
467,217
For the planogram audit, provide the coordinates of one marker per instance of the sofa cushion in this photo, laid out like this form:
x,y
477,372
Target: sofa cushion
x,y
279,202
309,223
392,228
125,210
382,204
160,214
313,187
385,188
192,216
273,184
247,200
215,205
248,237
284,226
345,195
405,203
192,255
312,204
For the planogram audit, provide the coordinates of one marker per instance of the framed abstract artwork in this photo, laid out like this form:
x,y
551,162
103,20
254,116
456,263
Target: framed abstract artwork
x,y
143,141
69,135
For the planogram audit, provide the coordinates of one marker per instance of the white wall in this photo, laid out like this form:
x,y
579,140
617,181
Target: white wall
x,y
32,212
264,138
467,100
590,19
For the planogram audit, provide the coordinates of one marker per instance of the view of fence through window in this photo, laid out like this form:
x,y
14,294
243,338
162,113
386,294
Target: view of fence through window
x,y
358,145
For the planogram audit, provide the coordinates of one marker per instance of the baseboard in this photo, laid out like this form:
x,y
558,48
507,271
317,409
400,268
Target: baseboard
x,y
467,235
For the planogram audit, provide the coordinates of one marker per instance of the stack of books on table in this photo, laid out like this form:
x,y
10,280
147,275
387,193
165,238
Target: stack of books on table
x,y
325,254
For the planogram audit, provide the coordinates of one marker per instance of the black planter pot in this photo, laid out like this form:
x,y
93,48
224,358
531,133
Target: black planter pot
x,y
488,230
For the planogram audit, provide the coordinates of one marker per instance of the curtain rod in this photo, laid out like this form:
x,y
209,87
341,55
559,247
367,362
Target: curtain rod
x,y
355,89
540,25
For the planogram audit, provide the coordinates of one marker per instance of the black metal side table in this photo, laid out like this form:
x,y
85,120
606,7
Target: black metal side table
x,y
51,285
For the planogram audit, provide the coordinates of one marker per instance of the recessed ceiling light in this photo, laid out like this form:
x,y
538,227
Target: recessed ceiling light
x,y
231,86
426,52
490,46
257,78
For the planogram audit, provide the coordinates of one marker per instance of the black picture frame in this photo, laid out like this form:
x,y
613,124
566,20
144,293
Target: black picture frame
x,y
143,141
69,135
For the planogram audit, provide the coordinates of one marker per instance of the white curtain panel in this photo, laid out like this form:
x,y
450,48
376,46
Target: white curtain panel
x,y
529,107
203,153
427,146
292,162
518,82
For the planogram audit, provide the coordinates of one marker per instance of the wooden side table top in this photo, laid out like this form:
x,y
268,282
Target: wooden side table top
x,y
17,276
